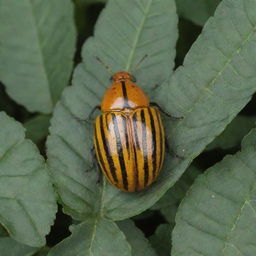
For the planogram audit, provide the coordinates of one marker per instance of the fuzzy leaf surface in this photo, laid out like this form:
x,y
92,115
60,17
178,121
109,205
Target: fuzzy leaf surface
x,y
10,247
27,200
37,44
93,238
217,217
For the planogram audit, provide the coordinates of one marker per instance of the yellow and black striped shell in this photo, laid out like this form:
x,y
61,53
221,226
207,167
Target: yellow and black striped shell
x,y
129,136
130,147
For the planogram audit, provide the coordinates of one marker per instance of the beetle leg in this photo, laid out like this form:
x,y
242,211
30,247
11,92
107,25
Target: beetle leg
x,y
171,152
92,112
94,160
95,165
99,180
167,114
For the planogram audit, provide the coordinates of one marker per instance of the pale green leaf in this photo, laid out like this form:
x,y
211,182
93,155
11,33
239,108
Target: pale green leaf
x,y
121,45
217,217
197,11
37,44
97,237
27,199
9,247
233,134
139,244
161,239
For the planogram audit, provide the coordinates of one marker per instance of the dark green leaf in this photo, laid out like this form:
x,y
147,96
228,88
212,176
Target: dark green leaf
x,y
37,127
9,247
233,134
139,244
161,239
27,199
217,217
197,11
169,203
37,43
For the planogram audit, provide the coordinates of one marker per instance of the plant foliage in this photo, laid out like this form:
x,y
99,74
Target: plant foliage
x,y
215,82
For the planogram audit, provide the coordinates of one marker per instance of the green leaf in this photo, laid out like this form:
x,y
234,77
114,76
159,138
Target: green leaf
x,y
217,217
9,247
161,239
169,203
37,127
233,134
139,244
37,44
93,238
215,83
27,199
197,11
70,142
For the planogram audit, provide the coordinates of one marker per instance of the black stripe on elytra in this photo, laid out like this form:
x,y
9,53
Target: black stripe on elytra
x,y
126,101
160,135
153,129
100,155
124,120
135,130
144,145
120,151
108,156
136,168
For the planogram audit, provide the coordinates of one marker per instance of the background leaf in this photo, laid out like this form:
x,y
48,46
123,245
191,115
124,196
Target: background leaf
x,y
93,238
139,244
37,127
26,215
215,83
161,239
37,44
70,142
218,214
10,247
233,134
197,11
169,203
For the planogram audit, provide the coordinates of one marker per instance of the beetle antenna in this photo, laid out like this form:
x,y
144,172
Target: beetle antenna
x,y
139,62
104,65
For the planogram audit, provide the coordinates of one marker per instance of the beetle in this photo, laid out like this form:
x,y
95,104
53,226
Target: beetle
x,y
129,138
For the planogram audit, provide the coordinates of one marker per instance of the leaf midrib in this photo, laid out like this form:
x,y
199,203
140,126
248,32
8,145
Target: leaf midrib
x,y
40,48
136,39
246,202
100,215
228,61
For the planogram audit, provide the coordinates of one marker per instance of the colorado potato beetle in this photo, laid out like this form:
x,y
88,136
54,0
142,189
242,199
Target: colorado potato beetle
x,y
129,137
